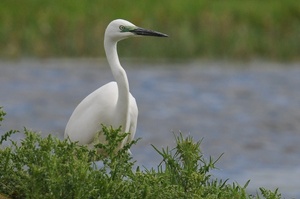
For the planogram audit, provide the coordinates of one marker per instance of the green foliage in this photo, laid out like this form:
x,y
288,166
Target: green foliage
x,y
197,28
38,167
269,194
2,114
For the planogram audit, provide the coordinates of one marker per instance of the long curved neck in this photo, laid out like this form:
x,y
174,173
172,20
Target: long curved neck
x,y
121,79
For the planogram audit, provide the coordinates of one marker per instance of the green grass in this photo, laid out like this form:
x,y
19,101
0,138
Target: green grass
x,y
197,28
38,167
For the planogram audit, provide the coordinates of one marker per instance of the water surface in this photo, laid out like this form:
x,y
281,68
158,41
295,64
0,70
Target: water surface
x,y
248,111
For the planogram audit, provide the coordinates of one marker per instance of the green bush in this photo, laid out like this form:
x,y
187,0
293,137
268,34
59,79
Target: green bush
x,y
38,167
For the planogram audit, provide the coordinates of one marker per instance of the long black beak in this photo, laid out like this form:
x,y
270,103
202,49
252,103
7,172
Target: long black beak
x,y
145,32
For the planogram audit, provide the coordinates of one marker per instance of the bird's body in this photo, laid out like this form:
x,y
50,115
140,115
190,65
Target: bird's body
x,y
96,109
112,104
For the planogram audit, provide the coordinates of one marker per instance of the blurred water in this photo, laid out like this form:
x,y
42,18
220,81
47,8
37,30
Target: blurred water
x,y
248,111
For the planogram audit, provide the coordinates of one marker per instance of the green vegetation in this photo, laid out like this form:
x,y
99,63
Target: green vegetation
x,y
37,167
197,28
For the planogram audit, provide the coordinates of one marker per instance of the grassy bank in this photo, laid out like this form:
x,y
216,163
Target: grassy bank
x,y
39,167
198,29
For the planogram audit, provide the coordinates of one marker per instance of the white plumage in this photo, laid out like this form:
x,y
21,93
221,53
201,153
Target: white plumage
x,y
112,104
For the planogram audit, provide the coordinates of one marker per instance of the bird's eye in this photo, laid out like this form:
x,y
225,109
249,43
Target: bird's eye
x,y
121,27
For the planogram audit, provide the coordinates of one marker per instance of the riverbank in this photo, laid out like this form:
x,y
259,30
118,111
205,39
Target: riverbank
x,y
197,29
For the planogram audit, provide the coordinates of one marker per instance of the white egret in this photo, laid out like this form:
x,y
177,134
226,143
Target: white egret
x,y
112,104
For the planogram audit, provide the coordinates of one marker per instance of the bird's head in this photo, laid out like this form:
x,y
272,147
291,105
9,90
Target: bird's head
x,y
121,29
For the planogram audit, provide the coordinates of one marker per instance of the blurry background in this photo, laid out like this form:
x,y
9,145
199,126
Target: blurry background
x,y
228,73
198,29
